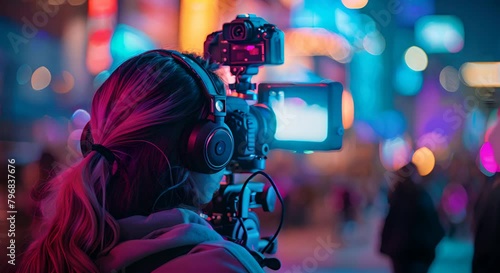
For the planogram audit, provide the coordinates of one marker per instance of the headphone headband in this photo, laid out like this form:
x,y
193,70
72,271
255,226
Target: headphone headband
x,y
205,82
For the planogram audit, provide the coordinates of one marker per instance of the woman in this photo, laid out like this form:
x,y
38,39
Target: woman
x,y
131,204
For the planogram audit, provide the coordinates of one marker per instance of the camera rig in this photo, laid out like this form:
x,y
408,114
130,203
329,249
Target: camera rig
x,y
244,45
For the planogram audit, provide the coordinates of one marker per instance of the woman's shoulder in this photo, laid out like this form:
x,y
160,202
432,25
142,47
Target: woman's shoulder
x,y
190,244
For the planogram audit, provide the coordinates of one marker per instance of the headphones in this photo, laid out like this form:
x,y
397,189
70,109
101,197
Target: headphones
x,y
209,144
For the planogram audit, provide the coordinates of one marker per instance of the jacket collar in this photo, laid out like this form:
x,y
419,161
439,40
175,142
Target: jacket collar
x,y
138,226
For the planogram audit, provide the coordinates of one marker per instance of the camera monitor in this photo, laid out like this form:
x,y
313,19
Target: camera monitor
x,y
309,115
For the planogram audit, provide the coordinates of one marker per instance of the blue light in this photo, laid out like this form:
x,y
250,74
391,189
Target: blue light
x,y
128,42
24,74
475,127
440,34
406,11
407,81
314,13
100,79
389,124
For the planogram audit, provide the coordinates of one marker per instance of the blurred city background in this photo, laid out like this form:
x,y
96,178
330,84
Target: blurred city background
x,y
419,79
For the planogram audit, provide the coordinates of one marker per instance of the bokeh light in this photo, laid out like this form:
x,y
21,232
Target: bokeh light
x,y
374,43
24,73
318,42
98,51
416,58
437,143
474,130
73,143
487,158
48,130
408,82
100,78
354,4
41,78
102,7
481,74
65,84
449,79
424,159
192,34
364,132
80,118
454,202
395,153
440,34
127,42
347,110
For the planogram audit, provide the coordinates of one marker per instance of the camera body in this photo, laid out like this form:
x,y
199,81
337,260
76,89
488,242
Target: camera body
x,y
248,40
253,128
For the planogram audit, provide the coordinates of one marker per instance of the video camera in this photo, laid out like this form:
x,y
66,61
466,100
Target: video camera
x,y
291,116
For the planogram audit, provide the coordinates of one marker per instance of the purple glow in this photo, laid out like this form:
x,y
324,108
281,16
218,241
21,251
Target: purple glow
x,y
411,11
434,140
455,199
74,141
438,124
79,118
365,132
430,111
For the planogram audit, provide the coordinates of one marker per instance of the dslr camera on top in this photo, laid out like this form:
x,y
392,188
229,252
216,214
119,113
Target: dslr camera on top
x,y
249,41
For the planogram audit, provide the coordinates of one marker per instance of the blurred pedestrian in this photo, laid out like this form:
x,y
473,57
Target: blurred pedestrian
x,y
486,257
412,229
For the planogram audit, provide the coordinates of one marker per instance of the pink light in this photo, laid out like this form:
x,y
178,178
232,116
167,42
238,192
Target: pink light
x,y
488,159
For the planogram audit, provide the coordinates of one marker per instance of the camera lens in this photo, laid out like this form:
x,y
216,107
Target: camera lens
x,y
238,32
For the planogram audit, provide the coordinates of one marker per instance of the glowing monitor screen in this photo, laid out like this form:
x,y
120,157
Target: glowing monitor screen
x,y
308,115
302,118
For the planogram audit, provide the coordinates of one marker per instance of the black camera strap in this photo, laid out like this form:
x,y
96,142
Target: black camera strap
x,y
150,263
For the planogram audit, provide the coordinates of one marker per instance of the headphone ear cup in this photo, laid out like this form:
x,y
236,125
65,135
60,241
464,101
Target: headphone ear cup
x,y
86,140
210,147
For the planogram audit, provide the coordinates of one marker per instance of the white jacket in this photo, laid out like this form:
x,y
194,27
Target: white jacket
x,y
142,236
